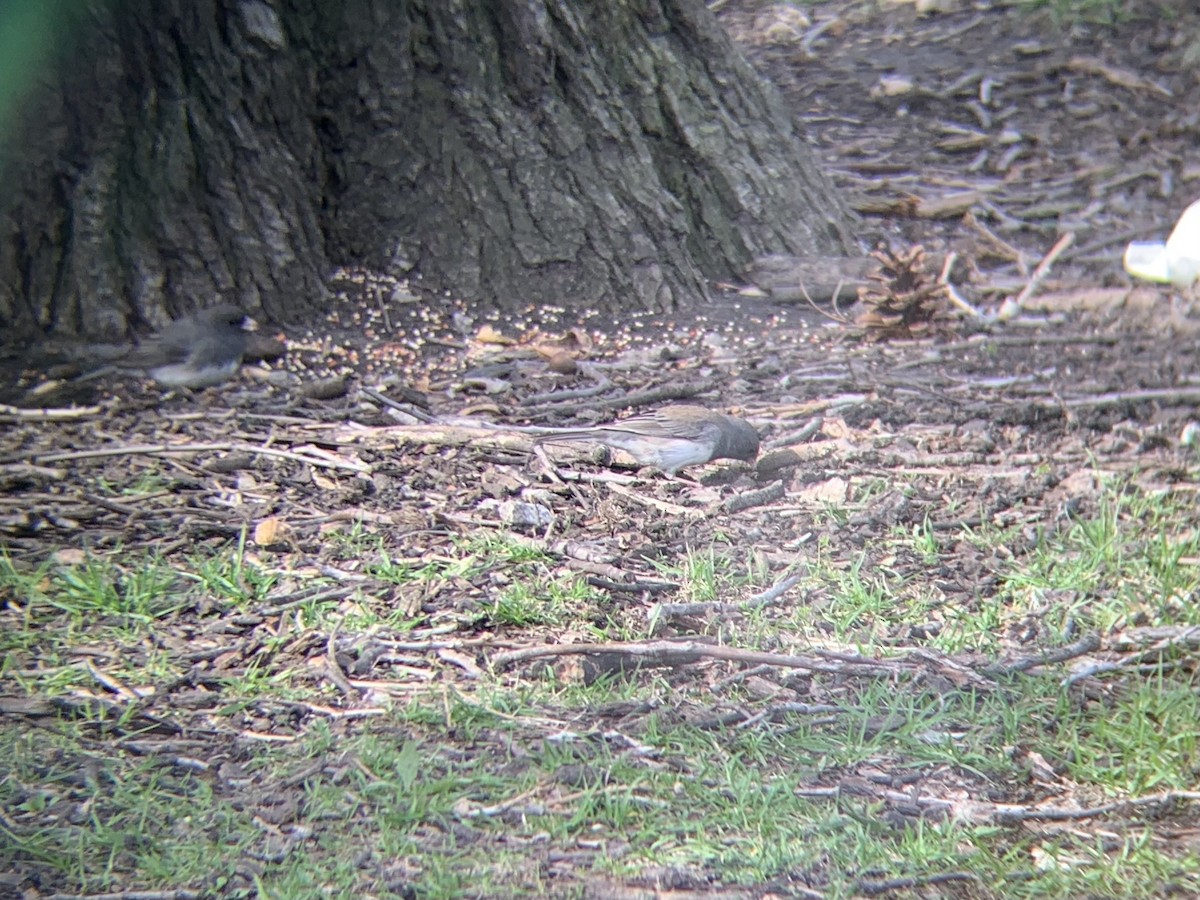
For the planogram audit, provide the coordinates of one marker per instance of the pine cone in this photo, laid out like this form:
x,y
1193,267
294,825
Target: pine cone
x,y
903,300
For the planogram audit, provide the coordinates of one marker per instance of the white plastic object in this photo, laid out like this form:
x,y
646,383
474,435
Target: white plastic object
x,y
1191,435
1177,261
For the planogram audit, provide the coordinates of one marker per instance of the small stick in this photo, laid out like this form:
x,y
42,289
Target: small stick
x,y
407,408
671,653
59,414
1086,644
661,611
952,294
1043,268
1012,814
321,459
334,671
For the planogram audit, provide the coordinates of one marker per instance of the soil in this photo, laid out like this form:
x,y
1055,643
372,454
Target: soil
x,y
1046,128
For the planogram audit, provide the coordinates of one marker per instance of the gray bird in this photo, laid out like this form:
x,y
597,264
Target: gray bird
x,y
672,437
197,351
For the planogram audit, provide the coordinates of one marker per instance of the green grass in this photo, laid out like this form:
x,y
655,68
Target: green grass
x,y
1101,12
539,781
1120,564
229,577
106,813
453,823
134,595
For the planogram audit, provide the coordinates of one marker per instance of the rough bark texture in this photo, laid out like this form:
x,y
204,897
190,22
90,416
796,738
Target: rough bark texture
x,y
169,160
607,155
558,152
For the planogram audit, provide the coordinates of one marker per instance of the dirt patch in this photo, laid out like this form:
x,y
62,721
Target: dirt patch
x,y
1055,127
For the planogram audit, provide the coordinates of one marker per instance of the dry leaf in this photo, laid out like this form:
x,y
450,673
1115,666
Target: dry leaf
x,y
574,340
489,335
892,86
833,490
269,531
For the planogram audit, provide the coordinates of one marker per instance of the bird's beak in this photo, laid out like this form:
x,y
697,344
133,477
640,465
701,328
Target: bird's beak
x,y
249,323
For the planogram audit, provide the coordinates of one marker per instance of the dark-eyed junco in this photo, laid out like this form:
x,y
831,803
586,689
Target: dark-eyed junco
x,y
197,351
672,437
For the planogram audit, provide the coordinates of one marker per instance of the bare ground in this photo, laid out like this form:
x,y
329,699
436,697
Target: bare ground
x,y
1046,129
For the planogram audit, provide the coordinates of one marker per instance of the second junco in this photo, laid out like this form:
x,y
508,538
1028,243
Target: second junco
x,y
197,351
672,437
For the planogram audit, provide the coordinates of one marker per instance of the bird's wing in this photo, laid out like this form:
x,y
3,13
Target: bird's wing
x,y
155,352
216,350
662,425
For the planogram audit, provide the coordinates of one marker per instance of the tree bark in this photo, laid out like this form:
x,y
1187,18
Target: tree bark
x,y
166,161
603,156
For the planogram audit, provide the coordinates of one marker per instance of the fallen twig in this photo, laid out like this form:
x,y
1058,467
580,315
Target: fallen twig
x,y
981,342
1150,658
1125,78
776,711
1009,814
1043,268
54,414
956,300
632,587
1086,644
27,470
314,457
660,394
407,409
1004,249
1116,398
671,509
872,888
556,398
670,653
334,670
666,611
750,499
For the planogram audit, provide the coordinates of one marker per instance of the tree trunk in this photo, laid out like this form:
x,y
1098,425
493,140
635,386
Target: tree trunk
x,y
168,160
608,156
